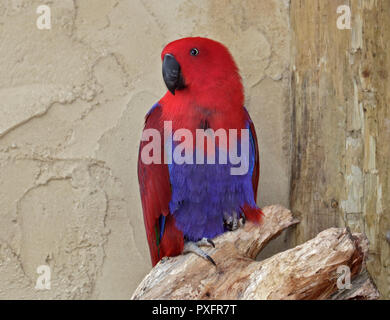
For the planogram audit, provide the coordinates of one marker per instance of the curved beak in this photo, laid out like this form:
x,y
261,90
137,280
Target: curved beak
x,y
172,74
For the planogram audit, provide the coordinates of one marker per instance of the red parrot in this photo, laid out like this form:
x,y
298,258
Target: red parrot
x,y
187,204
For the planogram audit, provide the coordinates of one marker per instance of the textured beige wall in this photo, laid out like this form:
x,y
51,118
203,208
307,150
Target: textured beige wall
x,y
72,102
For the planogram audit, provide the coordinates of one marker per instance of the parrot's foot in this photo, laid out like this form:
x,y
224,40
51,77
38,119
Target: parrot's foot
x,y
233,222
194,248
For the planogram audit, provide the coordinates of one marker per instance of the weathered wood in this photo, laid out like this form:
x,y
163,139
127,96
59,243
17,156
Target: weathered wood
x,y
308,271
362,288
341,124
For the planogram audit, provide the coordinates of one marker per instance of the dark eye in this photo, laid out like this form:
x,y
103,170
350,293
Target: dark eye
x,y
194,52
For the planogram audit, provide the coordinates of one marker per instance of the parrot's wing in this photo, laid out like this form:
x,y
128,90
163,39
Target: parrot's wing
x,y
163,237
254,154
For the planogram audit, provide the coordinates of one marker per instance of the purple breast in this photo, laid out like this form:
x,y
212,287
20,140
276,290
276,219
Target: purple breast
x,y
203,193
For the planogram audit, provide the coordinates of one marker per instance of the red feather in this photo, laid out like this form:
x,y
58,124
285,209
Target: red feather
x,y
214,88
155,196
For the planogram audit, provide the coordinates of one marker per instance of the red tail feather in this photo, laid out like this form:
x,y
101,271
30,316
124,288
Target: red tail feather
x,y
254,215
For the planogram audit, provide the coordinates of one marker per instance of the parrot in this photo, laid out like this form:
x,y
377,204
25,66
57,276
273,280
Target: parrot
x,y
186,205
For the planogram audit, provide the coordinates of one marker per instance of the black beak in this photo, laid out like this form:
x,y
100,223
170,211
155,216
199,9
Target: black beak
x,y
172,74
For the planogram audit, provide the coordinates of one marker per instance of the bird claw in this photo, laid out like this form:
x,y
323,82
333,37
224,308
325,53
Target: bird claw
x,y
206,242
194,248
231,222
242,220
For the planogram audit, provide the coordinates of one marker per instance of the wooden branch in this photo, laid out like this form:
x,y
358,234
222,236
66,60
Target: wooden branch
x,y
308,271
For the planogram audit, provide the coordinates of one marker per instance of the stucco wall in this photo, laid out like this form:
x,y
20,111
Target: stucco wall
x,y
72,102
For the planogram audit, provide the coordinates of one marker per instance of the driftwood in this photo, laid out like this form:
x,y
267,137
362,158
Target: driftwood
x,y
308,271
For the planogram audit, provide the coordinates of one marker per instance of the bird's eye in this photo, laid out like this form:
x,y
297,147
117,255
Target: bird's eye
x,y
194,52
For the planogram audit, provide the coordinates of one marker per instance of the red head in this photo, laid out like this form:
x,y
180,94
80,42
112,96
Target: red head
x,y
202,70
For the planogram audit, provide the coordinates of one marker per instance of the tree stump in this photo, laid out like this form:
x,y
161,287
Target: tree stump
x,y
308,271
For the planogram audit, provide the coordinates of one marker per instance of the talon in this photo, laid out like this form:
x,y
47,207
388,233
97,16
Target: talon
x,y
205,242
242,220
211,242
211,259
193,247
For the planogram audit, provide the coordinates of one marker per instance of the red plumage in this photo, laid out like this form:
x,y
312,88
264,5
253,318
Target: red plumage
x,y
213,87
155,195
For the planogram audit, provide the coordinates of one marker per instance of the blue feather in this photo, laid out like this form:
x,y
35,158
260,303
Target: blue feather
x,y
202,193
